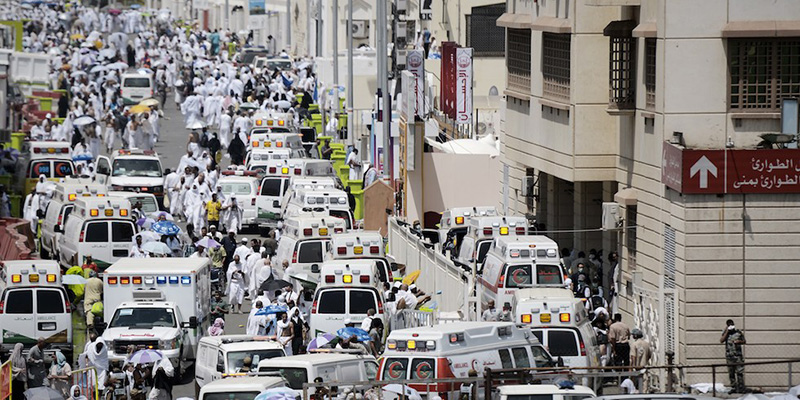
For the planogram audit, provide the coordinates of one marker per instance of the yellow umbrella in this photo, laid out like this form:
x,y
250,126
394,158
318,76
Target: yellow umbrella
x,y
77,36
139,109
151,102
412,277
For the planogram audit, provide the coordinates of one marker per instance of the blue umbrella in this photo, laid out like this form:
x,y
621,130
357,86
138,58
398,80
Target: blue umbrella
x,y
135,6
278,393
165,228
360,334
272,309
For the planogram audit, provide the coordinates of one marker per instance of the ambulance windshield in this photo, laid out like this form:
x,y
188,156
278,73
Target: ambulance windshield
x,y
143,318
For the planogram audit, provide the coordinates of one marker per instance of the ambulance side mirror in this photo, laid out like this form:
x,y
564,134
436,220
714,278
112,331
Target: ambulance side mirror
x,y
393,266
192,324
314,268
220,366
560,361
57,229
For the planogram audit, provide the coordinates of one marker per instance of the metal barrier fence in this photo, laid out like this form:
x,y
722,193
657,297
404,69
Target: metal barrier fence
x,y
86,379
759,376
402,319
5,380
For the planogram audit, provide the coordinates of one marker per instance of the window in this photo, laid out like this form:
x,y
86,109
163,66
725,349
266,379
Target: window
x,y
395,369
49,301
40,168
562,343
122,232
62,169
540,356
137,167
650,72
521,357
137,82
371,370
556,65
361,301
548,274
236,358
97,232
67,212
19,302
310,252
423,368
149,205
236,188
762,72
622,93
630,233
331,302
483,35
518,59
518,275
271,187
295,377
505,359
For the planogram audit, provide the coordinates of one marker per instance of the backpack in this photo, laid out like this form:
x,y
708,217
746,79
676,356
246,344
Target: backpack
x,y
203,140
596,302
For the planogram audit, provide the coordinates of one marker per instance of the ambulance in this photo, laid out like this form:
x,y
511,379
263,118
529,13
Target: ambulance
x,y
331,366
332,201
346,290
515,262
362,245
99,226
161,304
59,208
482,230
263,141
51,159
258,160
243,185
221,356
239,387
148,200
305,241
451,350
134,171
277,182
560,322
34,304
266,122
455,223
559,392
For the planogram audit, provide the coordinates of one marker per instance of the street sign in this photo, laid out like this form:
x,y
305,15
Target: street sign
x,y
728,171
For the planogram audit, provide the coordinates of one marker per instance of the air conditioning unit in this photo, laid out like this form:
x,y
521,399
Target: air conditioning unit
x,y
360,29
526,189
611,216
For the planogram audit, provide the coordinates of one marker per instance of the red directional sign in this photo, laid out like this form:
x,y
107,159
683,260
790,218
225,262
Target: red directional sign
x,y
723,171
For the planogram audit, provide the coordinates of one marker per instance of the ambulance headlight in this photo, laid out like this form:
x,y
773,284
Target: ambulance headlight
x,y
168,344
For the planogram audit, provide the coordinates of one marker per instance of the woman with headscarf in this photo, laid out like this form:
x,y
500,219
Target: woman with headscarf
x,y
19,373
97,357
237,150
218,328
298,332
60,374
75,393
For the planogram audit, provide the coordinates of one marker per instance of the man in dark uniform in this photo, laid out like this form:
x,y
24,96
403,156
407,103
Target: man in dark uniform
x,y
733,340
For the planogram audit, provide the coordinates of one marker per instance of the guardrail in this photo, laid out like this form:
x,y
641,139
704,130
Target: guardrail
x,y
86,379
411,319
5,380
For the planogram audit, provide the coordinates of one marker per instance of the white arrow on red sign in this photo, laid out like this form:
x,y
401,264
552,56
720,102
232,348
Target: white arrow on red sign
x,y
703,166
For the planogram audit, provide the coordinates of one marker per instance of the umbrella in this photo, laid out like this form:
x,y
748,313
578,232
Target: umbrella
x,y
97,68
148,236
135,6
145,356
117,65
151,102
145,222
108,53
208,242
283,104
323,340
411,277
272,309
196,125
83,120
404,390
43,393
73,280
156,247
359,333
144,71
273,285
77,36
165,228
139,109
278,393
248,106
115,11
158,214
306,280
77,73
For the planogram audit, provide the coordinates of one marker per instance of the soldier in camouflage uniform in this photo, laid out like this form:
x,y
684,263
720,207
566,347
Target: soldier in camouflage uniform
x,y
733,340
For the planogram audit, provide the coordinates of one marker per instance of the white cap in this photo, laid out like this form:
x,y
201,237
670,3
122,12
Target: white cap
x,y
412,287
397,284
348,321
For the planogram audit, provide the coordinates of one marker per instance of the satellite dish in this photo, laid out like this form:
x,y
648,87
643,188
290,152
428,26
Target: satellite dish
x,y
493,91
481,128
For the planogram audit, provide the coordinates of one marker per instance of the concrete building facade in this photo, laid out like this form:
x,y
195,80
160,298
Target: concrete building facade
x,y
607,101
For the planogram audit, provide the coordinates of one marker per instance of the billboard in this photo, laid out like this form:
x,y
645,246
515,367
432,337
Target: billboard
x,y
257,7
464,85
415,63
425,10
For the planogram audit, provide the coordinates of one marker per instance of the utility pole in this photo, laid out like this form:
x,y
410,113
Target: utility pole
x,y
350,135
319,28
288,44
227,15
381,44
335,28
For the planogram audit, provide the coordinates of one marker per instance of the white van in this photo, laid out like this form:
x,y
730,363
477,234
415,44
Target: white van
x,y
476,243
451,350
331,367
220,356
51,159
100,226
272,122
455,222
346,290
59,208
257,160
545,392
515,262
275,184
33,305
263,140
137,171
331,201
560,322
239,388
362,245
305,241
148,200
136,87
244,185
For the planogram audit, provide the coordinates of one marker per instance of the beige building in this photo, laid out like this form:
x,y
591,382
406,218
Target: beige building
x,y
596,91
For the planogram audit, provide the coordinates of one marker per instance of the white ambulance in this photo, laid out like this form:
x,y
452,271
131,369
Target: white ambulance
x,y
362,245
220,356
134,170
239,388
482,230
243,185
160,303
34,304
552,392
261,139
59,208
515,262
331,201
277,180
451,350
258,159
346,290
330,366
560,322
51,159
272,122
455,223
99,226
148,200
305,241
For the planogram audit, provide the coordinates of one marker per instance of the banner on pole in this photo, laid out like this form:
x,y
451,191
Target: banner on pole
x,y
464,85
415,63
